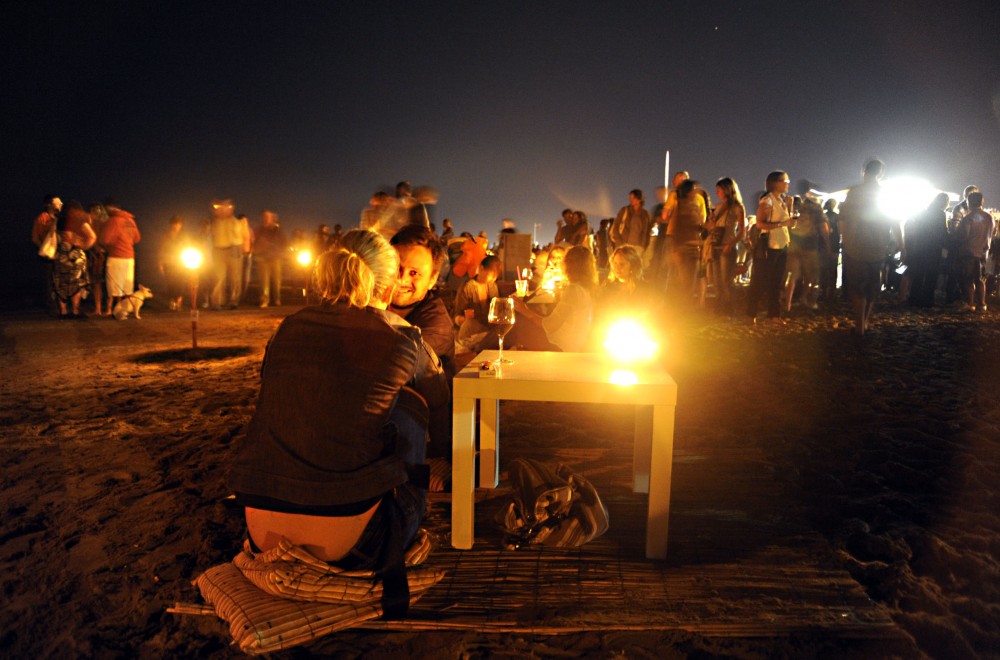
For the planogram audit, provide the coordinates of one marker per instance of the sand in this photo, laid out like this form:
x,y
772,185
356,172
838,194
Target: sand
x,y
114,441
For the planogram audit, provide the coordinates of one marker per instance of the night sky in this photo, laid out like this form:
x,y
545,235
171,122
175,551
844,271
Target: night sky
x,y
509,109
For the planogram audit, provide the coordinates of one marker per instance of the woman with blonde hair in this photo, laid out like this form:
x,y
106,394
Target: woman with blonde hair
x,y
333,451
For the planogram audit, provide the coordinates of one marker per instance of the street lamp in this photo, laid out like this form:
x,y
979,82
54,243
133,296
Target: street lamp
x,y
191,258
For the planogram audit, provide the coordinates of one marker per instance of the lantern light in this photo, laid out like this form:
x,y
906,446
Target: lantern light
x,y
191,258
629,341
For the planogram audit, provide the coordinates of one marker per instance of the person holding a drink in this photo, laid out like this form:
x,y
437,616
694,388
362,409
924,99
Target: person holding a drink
x,y
567,328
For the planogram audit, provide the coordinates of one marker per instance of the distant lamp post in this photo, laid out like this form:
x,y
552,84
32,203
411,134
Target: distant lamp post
x,y
192,260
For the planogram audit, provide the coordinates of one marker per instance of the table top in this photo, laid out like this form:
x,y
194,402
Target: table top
x,y
554,376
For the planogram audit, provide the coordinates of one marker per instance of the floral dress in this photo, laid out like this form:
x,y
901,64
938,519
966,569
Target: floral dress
x,y
69,272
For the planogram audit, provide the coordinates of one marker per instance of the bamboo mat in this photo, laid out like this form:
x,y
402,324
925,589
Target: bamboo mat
x,y
728,573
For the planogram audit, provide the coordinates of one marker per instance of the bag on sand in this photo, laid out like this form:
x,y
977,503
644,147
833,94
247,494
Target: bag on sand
x,y
552,507
49,244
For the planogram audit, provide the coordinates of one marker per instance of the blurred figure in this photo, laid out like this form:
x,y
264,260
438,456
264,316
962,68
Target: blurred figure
x,y
173,244
657,258
926,236
806,235
228,239
118,237
563,226
830,252
975,231
953,262
321,240
684,238
380,215
270,250
246,263
336,235
447,233
867,234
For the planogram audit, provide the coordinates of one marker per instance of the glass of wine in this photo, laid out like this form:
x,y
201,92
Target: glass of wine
x,y
501,318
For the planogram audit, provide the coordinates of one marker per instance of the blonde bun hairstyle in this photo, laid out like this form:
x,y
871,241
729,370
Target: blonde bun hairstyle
x,y
361,269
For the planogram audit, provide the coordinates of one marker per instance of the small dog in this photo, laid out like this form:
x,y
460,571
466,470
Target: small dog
x,y
131,304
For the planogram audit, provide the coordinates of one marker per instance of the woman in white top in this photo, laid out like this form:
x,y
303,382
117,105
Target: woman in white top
x,y
567,328
770,256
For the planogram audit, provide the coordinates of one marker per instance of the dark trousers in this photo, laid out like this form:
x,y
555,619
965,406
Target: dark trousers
x,y
923,273
766,281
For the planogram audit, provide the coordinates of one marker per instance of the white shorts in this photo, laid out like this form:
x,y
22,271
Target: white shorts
x,y
120,277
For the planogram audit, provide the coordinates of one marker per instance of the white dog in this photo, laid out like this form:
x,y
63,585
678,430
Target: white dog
x,y
131,304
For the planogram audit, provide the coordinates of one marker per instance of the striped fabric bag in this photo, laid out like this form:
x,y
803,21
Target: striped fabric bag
x,y
550,506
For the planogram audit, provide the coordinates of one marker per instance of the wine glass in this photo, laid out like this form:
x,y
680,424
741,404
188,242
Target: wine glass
x,y
501,317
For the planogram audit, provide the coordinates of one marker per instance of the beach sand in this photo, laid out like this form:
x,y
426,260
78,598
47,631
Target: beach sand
x,y
115,440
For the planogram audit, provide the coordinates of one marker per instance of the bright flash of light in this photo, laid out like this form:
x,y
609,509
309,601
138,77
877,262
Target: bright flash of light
x,y
304,257
623,377
191,258
902,198
628,341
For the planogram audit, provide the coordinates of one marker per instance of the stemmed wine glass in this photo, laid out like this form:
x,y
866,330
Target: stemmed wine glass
x,y
501,317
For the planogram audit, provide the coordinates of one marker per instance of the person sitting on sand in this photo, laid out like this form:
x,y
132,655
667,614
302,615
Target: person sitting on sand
x,y
472,304
332,455
415,299
567,328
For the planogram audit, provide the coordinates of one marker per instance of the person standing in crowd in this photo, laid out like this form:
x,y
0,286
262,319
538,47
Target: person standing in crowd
x,y
246,255
228,239
97,257
830,252
69,274
119,236
380,215
807,235
563,225
657,259
270,249
684,238
953,262
926,236
771,251
420,259
727,230
174,242
975,232
44,223
632,224
447,233
866,233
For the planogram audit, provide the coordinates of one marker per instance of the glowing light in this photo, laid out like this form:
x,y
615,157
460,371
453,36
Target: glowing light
x,y
623,377
304,257
191,258
902,198
628,341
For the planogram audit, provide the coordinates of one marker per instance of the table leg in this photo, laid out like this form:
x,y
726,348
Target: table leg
x,y
489,441
463,468
661,466
642,448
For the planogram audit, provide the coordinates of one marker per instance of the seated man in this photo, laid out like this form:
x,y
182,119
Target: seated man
x,y
420,259
331,454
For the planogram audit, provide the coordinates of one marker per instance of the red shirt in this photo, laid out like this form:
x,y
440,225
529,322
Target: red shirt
x,y
119,235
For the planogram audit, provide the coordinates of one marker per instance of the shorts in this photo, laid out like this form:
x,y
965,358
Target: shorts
x,y
973,268
120,276
862,279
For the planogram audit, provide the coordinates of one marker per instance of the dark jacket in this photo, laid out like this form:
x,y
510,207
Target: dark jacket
x,y
436,327
319,435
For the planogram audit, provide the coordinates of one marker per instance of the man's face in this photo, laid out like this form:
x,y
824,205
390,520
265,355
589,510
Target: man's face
x,y
416,274
56,204
634,201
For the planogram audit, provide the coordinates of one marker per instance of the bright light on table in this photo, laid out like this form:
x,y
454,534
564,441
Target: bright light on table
x,y
191,258
629,341
623,377
304,257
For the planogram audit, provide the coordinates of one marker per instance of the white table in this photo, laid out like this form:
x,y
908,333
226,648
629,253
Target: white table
x,y
568,377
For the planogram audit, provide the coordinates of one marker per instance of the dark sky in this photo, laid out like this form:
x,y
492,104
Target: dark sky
x,y
510,109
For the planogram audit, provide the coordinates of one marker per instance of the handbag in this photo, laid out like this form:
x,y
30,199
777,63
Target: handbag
x,y
49,244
